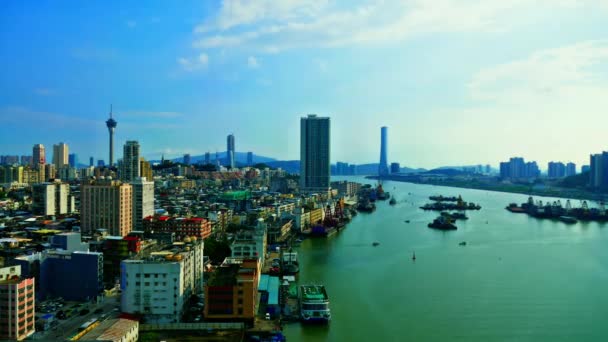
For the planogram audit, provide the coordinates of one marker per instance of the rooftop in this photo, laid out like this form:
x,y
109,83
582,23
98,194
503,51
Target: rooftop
x,y
314,292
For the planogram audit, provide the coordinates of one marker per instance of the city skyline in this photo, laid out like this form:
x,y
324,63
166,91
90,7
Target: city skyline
x,y
455,70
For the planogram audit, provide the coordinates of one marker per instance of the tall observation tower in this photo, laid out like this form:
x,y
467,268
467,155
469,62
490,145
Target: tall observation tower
x,y
111,123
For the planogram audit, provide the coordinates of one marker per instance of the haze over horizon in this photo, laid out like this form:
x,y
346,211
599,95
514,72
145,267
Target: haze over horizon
x,y
456,82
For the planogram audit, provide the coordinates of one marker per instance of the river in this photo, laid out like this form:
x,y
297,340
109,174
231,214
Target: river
x,y
517,279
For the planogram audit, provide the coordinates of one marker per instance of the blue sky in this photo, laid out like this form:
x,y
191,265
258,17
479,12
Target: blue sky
x,y
456,81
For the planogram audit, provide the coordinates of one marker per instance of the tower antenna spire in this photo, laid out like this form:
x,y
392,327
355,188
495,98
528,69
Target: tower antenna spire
x,y
110,110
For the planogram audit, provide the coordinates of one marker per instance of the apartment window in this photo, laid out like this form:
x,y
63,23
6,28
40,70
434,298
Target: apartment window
x,y
240,292
155,283
137,283
147,275
240,311
240,301
147,283
137,275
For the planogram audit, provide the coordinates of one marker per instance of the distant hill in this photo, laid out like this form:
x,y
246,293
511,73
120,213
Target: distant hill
x,y
372,169
240,158
290,166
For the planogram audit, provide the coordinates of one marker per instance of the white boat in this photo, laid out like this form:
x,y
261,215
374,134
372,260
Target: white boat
x,y
314,304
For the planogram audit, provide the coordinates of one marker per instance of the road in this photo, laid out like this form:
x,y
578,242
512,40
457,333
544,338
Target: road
x,y
68,327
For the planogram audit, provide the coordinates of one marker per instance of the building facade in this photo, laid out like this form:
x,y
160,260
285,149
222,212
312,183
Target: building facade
x,y
17,309
39,156
230,151
315,165
143,201
51,199
157,286
60,155
182,227
106,204
130,162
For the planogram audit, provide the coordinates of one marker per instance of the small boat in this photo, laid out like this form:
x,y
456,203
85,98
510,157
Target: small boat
x,y
392,201
376,243
414,256
463,243
568,219
407,221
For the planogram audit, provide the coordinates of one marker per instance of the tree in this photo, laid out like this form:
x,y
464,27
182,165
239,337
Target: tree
x,y
217,250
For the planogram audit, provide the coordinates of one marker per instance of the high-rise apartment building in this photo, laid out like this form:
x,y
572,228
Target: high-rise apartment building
x,y
314,153
130,162
145,169
518,168
51,199
106,204
60,155
17,309
143,201
598,178
556,170
383,166
570,169
73,160
39,156
230,151
159,285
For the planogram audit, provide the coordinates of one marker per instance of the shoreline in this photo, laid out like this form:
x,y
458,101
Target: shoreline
x,y
517,189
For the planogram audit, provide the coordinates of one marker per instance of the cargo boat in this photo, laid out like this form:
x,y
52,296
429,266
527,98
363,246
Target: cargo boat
x,y
314,304
442,223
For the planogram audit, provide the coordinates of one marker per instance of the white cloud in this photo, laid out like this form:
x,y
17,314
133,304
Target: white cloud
x,y
193,64
252,62
274,26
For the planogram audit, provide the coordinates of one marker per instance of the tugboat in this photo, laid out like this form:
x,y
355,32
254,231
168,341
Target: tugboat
x,y
376,243
393,201
442,223
414,256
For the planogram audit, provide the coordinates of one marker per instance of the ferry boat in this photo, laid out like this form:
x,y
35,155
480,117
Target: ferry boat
x,y
314,304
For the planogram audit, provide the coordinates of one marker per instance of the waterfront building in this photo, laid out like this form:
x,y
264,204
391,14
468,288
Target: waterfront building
x,y
383,166
249,158
346,188
18,304
111,124
39,156
314,154
598,178
556,170
250,243
395,168
517,168
232,289
570,169
187,159
73,160
130,162
158,285
143,201
181,227
230,151
106,204
51,199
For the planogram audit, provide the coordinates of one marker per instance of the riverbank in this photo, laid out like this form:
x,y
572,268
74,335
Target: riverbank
x,y
507,188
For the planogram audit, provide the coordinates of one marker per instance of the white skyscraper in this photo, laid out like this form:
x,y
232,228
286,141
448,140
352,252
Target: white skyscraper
x,y
60,155
143,201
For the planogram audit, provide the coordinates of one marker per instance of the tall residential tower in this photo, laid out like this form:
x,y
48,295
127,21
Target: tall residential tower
x,y
230,151
314,153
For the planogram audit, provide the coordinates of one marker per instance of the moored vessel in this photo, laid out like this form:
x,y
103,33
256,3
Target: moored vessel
x,y
314,304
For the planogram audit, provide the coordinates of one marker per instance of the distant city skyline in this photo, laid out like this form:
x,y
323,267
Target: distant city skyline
x,y
453,79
